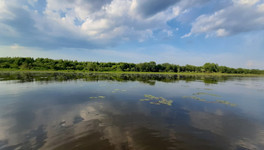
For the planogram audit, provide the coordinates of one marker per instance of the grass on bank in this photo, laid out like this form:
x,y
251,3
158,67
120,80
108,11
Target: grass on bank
x,y
123,72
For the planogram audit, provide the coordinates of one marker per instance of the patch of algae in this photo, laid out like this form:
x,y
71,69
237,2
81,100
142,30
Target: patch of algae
x,y
225,102
195,98
98,97
203,93
157,100
118,90
216,101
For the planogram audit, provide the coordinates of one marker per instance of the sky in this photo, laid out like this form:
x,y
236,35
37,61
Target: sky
x,y
227,32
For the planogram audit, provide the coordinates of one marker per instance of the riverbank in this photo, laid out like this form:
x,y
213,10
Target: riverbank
x,y
121,72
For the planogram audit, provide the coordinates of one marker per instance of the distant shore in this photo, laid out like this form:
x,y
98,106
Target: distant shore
x,y
124,72
46,64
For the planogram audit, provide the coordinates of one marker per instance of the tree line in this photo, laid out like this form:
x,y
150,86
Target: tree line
x,y
27,63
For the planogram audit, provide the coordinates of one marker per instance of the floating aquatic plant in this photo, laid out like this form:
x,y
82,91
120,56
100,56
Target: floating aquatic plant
x,y
208,89
144,99
203,93
165,101
99,97
156,103
225,102
151,97
195,98
216,101
118,90
92,97
157,100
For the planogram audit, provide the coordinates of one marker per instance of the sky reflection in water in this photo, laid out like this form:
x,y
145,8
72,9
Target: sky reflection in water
x,y
75,111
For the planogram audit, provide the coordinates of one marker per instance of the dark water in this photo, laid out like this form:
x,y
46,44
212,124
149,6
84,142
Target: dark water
x,y
130,112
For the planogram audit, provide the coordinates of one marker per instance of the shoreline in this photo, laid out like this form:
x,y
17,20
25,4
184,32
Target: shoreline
x,y
121,72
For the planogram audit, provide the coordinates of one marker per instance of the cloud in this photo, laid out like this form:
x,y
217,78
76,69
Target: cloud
x,y
245,2
86,23
89,24
242,16
185,4
149,8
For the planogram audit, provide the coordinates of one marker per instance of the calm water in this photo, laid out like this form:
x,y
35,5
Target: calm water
x,y
130,112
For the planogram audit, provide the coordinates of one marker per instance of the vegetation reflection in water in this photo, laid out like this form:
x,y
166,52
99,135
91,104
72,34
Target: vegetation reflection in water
x,y
157,100
150,79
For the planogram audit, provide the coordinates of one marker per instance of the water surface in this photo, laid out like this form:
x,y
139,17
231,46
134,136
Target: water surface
x,y
130,112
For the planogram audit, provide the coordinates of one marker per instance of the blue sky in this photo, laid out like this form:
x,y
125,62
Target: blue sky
x,y
227,32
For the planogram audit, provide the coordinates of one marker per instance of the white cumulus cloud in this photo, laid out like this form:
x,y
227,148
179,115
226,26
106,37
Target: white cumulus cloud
x,y
242,16
87,23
